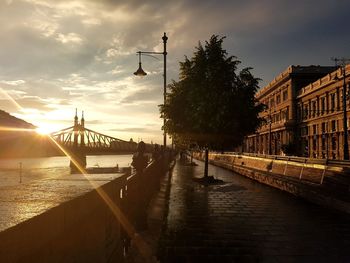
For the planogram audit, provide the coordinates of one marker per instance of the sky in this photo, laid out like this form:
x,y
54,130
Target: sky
x,y
58,55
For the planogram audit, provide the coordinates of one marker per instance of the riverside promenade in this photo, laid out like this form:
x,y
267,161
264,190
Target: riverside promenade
x,y
245,221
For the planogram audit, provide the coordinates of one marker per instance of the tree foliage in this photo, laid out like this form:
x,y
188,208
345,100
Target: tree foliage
x,y
211,105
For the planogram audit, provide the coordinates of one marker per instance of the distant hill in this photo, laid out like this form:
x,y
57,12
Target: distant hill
x,y
21,143
8,120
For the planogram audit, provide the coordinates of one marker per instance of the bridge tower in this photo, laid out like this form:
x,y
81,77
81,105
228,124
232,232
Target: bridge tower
x,y
76,129
78,151
82,127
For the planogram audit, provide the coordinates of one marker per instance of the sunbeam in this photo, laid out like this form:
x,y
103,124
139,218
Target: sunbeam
x,y
117,212
13,129
14,102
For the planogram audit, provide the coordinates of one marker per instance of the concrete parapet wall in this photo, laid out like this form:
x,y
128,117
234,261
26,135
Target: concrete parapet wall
x,y
312,172
300,179
81,230
79,218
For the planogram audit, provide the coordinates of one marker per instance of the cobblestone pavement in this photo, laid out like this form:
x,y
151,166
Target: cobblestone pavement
x,y
244,221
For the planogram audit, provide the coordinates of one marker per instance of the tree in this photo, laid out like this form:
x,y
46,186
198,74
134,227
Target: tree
x,y
211,105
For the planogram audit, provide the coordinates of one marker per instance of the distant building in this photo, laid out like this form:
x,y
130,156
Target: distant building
x,y
303,114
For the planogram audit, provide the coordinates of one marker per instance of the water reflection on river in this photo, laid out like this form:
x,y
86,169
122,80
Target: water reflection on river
x,y
50,167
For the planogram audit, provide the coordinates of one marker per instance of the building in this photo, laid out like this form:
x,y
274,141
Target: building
x,y
320,116
303,114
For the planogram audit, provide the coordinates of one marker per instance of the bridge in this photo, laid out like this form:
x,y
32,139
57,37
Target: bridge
x,y
78,137
79,141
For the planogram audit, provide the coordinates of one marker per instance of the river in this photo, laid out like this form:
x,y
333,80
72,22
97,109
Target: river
x,y
50,167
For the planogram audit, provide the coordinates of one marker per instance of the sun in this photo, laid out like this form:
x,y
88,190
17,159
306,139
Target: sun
x,y
44,130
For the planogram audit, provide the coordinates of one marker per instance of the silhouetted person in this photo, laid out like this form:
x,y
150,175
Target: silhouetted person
x,y
156,152
139,160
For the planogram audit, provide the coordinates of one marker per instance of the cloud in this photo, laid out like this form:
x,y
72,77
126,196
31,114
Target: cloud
x,y
62,54
141,96
13,82
69,38
140,130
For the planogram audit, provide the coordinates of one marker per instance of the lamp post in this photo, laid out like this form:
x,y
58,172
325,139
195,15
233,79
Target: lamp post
x,y
141,72
342,63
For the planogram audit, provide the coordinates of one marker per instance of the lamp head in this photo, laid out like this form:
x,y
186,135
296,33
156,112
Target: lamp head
x,y
140,72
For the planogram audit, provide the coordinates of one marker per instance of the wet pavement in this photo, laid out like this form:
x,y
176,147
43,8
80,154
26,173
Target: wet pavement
x,y
244,221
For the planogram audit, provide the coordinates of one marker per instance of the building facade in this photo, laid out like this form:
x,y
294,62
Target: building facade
x,y
303,114
320,115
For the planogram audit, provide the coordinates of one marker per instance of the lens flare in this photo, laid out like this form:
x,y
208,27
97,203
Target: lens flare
x,y
141,245
13,129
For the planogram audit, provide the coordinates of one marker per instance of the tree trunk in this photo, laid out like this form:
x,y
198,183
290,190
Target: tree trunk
x,y
206,163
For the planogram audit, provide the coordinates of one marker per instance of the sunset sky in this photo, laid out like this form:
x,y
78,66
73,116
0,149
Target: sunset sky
x,y
58,55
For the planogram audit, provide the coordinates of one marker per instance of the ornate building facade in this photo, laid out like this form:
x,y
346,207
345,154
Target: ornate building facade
x,y
303,115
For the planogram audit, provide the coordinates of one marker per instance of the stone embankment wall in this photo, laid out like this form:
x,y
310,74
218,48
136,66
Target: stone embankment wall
x,y
95,226
80,230
305,179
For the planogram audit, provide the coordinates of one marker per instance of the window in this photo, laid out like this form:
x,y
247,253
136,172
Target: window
x,y
278,99
314,144
306,111
334,143
283,115
323,127
314,129
334,125
341,99
332,102
323,105
313,108
323,143
285,95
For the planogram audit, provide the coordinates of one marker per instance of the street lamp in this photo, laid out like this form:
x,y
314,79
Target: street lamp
x,y
140,72
342,63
